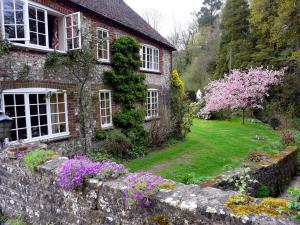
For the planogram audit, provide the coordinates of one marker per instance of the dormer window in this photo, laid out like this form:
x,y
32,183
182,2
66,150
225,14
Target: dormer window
x,y
29,24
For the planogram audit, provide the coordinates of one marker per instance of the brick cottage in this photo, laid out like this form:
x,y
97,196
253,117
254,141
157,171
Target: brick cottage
x,y
41,107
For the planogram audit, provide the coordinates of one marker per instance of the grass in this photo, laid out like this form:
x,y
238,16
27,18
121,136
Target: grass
x,y
33,159
210,149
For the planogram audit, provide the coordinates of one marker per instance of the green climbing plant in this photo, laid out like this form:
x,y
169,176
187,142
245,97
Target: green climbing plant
x,y
129,89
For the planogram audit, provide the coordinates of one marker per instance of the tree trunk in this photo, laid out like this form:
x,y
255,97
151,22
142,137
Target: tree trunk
x,y
243,116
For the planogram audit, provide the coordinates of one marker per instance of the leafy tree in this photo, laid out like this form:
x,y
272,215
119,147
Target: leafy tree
x,y
241,90
235,42
209,12
263,17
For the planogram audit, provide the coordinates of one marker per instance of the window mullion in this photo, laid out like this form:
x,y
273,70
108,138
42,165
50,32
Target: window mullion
x,y
49,118
27,114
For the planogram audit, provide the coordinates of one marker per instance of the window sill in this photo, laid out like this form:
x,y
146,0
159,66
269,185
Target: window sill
x,y
36,48
104,62
52,138
107,127
149,119
150,71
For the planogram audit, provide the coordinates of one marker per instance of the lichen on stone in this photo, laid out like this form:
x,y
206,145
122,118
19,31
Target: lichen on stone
x,y
160,220
242,205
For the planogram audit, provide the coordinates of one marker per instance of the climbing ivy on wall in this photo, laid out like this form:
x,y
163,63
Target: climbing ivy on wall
x,y
129,88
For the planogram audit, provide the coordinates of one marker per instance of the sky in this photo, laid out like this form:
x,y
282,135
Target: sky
x,y
174,12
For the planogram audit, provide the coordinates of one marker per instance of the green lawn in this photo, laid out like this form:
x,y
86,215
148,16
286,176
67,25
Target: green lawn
x,y
211,148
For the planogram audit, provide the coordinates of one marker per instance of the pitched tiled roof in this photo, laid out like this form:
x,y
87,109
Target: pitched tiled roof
x,y
120,12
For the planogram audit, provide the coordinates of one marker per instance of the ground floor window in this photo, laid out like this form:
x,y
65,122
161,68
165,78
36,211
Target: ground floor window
x,y
37,115
152,103
105,108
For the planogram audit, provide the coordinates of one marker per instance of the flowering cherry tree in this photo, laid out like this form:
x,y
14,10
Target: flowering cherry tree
x,y
241,89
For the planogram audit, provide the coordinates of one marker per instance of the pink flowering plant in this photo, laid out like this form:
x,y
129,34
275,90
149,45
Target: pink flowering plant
x,y
241,89
72,172
142,185
109,169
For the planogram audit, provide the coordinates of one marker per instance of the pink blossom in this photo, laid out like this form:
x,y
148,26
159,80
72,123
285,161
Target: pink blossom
x,y
241,89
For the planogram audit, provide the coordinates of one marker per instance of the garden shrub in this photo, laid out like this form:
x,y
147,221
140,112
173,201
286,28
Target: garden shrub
x,y
37,157
73,171
100,135
182,112
272,147
117,143
142,185
274,122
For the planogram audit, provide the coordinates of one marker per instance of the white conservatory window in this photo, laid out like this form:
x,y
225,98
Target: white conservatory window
x,y
105,108
150,58
152,103
38,114
103,44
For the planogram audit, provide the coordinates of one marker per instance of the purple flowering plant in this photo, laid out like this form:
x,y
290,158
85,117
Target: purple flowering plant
x,y
142,185
72,172
109,169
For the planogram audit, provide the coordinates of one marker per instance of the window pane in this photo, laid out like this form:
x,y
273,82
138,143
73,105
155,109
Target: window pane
x,y
42,40
9,100
41,15
8,4
44,130
43,120
33,38
35,132
9,17
20,31
43,109
20,17
22,134
10,111
20,100
32,13
10,32
19,5
34,121
32,99
20,110
42,27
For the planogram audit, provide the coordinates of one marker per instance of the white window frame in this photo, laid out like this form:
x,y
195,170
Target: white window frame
x,y
26,92
46,28
151,62
151,116
99,29
72,36
108,125
25,18
27,4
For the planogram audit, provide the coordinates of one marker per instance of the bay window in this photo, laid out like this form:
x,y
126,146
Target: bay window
x,y
105,109
152,103
38,114
150,58
28,23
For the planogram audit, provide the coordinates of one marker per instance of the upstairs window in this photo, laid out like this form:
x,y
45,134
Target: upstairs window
x,y
103,45
14,19
73,31
150,58
31,24
38,26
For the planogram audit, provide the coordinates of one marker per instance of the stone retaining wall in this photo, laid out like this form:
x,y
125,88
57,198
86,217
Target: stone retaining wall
x,y
275,173
43,202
